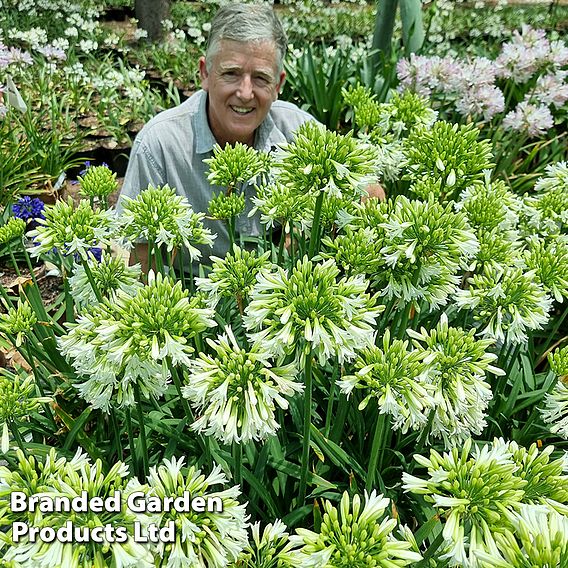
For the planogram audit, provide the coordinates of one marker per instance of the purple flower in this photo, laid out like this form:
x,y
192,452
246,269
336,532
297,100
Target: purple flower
x,y
28,208
84,170
95,252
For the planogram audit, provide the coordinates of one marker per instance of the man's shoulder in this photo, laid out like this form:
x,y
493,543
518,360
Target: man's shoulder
x,y
288,116
172,121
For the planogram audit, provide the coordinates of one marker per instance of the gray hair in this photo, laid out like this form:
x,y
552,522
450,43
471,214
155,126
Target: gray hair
x,y
246,23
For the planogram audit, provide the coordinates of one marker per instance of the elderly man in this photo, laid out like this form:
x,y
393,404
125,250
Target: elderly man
x,y
241,74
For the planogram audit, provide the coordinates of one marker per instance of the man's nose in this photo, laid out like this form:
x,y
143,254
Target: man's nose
x,y
244,91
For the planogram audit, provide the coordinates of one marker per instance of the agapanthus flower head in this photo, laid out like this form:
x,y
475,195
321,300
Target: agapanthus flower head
x,y
547,482
97,182
18,322
224,206
424,245
450,152
233,276
505,303
555,177
308,310
496,248
472,493
481,101
489,204
28,208
356,534
321,160
458,364
17,401
283,205
549,261
529,119
209,539
71,229
110,274
423,74
555,410
534,538
237,390
71,482
130,342
271,549
551,89
159,216
356,251
406,111
395,379
13,229
366,110
236,164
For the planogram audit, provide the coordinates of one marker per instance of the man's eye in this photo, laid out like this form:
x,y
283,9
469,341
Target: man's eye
x,y
262,80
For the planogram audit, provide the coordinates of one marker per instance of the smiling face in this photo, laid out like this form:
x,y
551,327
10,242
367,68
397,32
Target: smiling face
x,y
242,83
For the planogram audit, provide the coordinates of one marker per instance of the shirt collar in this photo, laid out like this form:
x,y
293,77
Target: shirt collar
x,y
268,136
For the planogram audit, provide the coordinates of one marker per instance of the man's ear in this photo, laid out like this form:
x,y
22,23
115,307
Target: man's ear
x,y
280,83
203,73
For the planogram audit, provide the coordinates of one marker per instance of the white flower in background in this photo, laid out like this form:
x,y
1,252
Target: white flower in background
x,y
236,391
529,119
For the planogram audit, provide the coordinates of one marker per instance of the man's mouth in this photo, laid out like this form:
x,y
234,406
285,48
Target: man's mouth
x,y
242,110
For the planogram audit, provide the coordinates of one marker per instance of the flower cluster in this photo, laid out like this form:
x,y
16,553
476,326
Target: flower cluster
x,y
224,206
448,154
98,182
210,539
71,229
109,274
157,215
12,230
357,535
236,391
236,164
233,276
555,411
307,310
127,345
18,322
28,208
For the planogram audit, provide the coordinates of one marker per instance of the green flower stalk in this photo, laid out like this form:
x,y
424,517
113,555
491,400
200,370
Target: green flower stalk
x,y
366,110
130,343
72,229
210,539
307,310
98,182
537,538
271,549
555,411
460,393
472,493
233,276
18,322
70,481
236,391
549,261
395,379
497,249
448,152
161,217
109,275
12,230
408,110
356,535
17,402
236,164
505,304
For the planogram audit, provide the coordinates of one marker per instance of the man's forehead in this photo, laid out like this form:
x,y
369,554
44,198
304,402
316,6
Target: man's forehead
x,y
236,53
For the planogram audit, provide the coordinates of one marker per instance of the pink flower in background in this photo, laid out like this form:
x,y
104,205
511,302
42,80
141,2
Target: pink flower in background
x,y
551,89
558,55
423,74
482,100
529,119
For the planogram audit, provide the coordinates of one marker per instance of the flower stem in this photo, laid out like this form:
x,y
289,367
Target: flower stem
x,y
116,429
16,433
238,463
91,279
142,435
315,234
133,456
307,425
377,449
